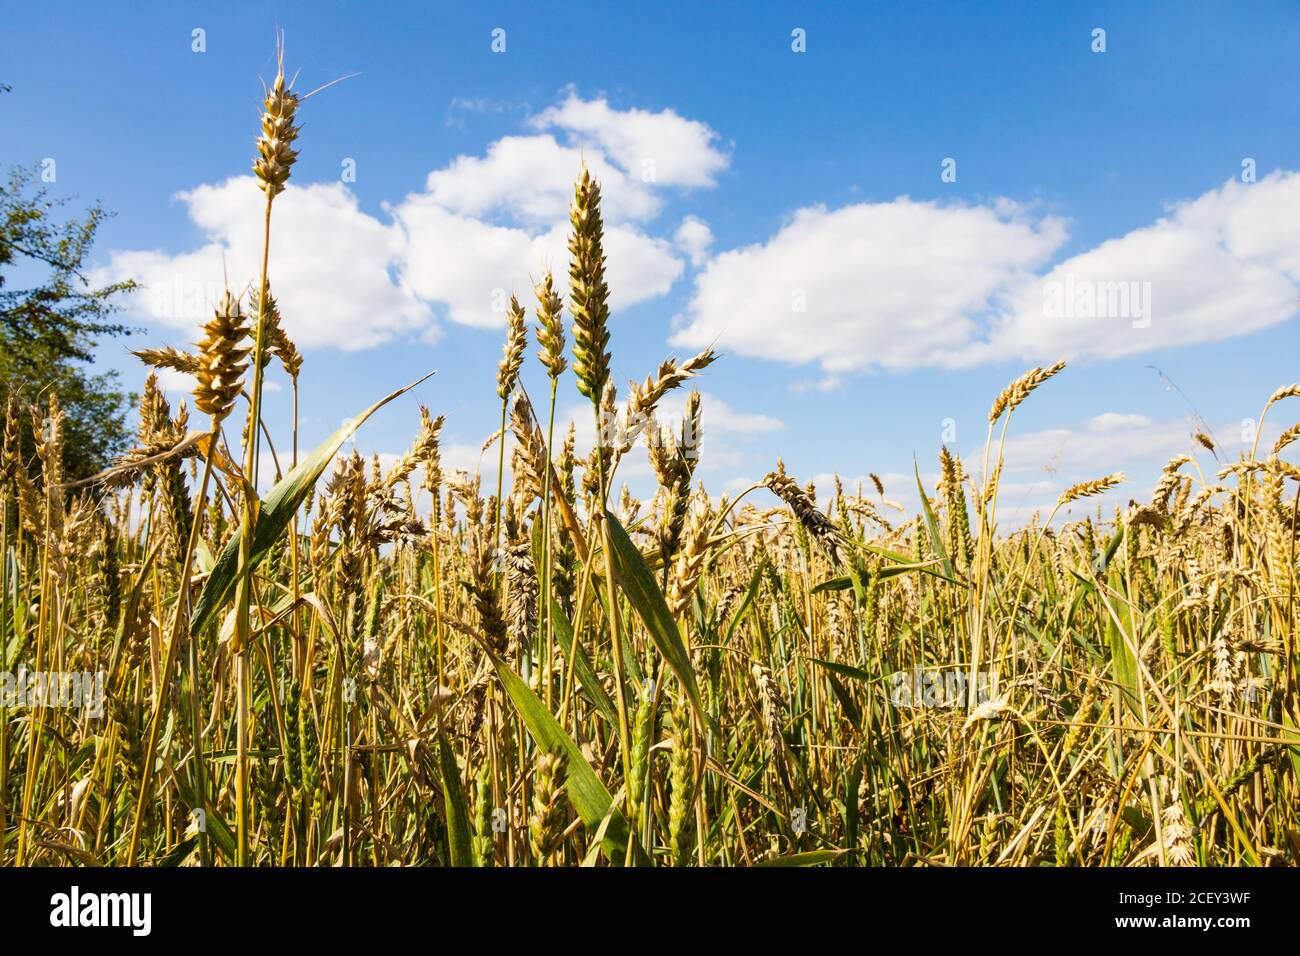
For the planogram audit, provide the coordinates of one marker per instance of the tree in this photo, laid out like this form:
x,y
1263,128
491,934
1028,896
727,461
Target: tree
x,y
48,330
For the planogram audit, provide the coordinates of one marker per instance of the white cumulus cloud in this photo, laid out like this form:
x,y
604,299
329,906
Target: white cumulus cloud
x,y
669,148
1221,265
907,284
694,237
894,284
330,265
469,264
483,227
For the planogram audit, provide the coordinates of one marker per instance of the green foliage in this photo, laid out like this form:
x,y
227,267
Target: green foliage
x,y
52,317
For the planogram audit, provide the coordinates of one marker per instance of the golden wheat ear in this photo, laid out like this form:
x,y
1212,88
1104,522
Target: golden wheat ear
x,y
223,359
1019,390
1086,489
588,293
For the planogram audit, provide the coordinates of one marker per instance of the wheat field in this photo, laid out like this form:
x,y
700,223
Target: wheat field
x,y
363,666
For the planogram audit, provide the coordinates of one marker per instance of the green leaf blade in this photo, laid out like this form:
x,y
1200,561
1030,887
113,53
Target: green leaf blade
x,y
590,798
638,584
275,514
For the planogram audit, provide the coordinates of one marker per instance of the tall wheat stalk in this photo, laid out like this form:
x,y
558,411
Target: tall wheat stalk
x,y
276,157
550,338
589,305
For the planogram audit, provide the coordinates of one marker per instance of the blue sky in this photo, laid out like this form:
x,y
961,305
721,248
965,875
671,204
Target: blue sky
x,y
808,178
